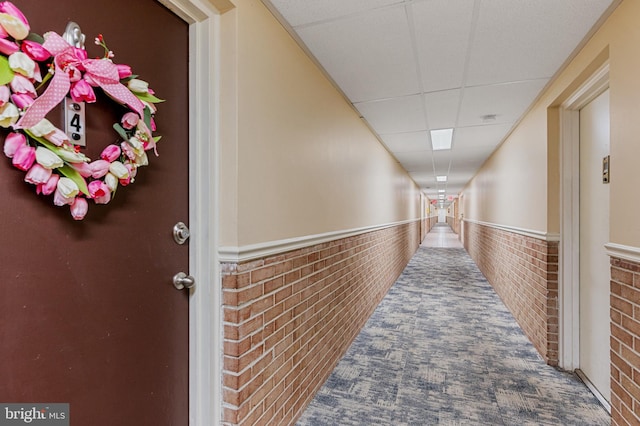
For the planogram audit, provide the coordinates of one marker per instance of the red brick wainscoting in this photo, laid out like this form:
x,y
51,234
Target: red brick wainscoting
x,y
432,221
454,223
289,318
625,342
523,270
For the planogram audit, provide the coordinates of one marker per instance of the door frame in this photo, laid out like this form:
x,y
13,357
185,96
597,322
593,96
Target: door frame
x,y
569,258
205,322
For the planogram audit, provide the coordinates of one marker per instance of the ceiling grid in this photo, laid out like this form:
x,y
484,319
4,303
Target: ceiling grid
x,y
412,66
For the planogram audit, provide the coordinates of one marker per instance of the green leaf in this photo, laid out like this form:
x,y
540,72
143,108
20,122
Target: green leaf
x,y
148,97
156,139
147,116
73,174
35,37
127,79
6,73
42,141
123,134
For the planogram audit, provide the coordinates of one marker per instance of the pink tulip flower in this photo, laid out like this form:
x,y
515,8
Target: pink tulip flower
x,y
57,137
50,186
133,171
24,157
111,153
22,100
124,71
99,168
37,76
130,120
61,200
13,21
11,9
144,129
81,91
21,84
8,47
37,175
12,142
5,94
128,151
79,208
84,169
74,73
100,192
35,50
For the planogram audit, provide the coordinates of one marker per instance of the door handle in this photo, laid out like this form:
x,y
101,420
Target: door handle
x,y
182,280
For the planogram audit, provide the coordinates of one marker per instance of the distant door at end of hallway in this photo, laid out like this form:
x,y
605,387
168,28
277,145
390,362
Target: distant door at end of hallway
x,y
442,216
594,234
88,312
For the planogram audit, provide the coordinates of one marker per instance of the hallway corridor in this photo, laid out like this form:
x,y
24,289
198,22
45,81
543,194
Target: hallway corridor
x,y
442,349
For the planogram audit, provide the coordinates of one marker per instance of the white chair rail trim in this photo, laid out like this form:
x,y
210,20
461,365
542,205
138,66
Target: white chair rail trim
x,y
541,235
251,252
623,252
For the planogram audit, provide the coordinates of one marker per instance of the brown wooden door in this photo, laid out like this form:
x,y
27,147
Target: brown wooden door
x,y
88,314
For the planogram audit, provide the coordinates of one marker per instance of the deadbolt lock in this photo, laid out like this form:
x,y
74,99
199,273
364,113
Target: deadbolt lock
x,y
180,233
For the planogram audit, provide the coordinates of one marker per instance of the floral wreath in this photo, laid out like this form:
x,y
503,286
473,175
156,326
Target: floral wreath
x,y
50,159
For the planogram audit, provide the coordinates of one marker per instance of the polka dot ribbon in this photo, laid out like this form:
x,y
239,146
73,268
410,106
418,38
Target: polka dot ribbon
x,y
102,72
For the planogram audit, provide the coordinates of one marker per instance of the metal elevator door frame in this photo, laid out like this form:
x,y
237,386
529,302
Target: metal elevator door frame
x,y
569,259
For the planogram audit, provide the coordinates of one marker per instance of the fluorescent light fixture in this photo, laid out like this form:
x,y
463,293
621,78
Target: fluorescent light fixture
x,y
442,190
441,196
441,178
441,139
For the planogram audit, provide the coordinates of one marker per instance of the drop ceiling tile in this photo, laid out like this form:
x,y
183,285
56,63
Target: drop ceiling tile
x,y
424,178
442,29
406,142
523,40
404,114
489,135
416,161
470,159
441,162
369,56
442,108
459,178
298,12
506,101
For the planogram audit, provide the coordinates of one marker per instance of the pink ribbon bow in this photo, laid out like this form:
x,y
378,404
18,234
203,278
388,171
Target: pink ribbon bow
x,y
102,72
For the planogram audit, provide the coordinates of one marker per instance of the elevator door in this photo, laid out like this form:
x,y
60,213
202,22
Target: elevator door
x,y
594,234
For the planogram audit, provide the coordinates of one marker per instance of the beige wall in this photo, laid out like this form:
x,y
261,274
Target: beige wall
x,y
519,185
510,189
296,158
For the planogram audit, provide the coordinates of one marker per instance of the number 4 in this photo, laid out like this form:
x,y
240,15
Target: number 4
x,y
75,122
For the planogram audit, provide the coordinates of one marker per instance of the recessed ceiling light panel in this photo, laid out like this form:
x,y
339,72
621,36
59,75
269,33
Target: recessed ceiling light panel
x,y
441,139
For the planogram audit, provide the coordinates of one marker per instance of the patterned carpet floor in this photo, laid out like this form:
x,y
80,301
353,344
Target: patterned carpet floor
x,y
442,349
